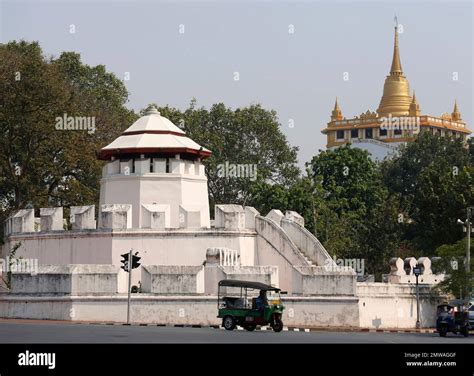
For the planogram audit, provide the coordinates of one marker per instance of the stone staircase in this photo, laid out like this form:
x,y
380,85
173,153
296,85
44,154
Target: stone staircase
x,y
308,245
270,230
305,256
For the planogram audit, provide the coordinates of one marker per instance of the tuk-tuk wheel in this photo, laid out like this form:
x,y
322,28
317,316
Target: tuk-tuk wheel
x,y
465,331
228,323
442,332
250,327
277,326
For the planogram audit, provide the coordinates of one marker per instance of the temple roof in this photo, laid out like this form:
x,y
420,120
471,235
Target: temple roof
x,y
153,134
153,121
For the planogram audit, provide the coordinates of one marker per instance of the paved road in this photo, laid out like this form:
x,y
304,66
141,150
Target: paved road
x,y
43,332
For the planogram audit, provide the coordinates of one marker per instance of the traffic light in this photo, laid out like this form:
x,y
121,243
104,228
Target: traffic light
x,y
125,262
135,259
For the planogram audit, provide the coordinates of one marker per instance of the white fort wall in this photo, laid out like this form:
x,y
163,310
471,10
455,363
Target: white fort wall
x,y
172,247
388,305
258,240
84,295
243,245
173,310
369,310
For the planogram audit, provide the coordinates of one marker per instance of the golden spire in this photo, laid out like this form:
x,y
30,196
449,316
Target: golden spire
x,y
414,107
456,115
396,97
336,114
396,68
336,106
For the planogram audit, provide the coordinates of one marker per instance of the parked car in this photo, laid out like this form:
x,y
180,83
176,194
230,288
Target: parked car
x,y
471,317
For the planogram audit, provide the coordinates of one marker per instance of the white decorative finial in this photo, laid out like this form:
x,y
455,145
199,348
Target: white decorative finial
x,y
151,110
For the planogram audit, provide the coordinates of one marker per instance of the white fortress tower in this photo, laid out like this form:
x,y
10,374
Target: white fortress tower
x,y
154,178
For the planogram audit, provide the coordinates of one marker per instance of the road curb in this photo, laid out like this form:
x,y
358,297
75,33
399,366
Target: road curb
x,y
285,328
265,328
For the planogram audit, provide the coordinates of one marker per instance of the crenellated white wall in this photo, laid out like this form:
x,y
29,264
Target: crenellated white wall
x,y
170,247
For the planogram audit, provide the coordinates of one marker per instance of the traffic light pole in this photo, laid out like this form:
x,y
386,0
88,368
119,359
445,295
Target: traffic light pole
x,y
129,285
468,251
468,243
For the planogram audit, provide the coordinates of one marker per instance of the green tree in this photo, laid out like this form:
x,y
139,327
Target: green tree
x,y
457,281
39,164
297,197
245,136
356,218
433,181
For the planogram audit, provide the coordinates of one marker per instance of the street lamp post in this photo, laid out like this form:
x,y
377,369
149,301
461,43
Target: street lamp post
x,y
467,225
417,272
468,245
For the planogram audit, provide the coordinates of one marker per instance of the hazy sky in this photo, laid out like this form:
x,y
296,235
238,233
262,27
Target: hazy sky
x,y
298,74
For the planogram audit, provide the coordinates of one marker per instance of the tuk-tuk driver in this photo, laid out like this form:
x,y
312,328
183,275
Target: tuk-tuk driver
x,y
261,301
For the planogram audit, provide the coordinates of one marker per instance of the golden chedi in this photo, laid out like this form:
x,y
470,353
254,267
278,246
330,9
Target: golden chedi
x,y
398,118
396,97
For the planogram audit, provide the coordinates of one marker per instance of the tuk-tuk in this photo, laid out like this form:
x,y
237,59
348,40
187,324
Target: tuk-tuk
x,y
453,317
249,304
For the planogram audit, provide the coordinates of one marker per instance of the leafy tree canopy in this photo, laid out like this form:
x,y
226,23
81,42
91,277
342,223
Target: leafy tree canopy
x,y
246,138
42,165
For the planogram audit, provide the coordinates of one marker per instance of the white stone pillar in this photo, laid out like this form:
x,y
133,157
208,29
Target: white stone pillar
x,y
116,216
294,217
155,216
276,216
425,264
229,216
83,217
51,219
250,215
410,263
23,221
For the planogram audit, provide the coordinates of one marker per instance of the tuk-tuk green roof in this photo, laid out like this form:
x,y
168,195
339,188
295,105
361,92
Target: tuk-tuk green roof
x,y
247,284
